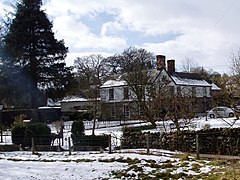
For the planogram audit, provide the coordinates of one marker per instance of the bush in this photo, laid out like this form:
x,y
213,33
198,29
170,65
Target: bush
x,y
40,132
77,130
22,134
79,138
18,134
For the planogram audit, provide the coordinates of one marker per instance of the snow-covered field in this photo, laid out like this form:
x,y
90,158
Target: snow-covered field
x,y
87,166
125,164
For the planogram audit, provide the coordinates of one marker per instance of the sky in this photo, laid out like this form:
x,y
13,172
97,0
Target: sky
x,y
206,32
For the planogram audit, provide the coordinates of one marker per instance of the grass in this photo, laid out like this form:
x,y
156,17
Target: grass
x,y
230,170
218,169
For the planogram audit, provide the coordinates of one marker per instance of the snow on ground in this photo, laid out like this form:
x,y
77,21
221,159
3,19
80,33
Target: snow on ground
x,y
218,122
96,165
89,165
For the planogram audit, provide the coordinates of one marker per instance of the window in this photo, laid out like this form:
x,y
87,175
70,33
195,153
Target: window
x,y
204,91
111,94
113,111
126,93
126,111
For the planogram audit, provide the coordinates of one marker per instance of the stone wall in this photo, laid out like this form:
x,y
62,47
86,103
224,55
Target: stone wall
x,y
212,141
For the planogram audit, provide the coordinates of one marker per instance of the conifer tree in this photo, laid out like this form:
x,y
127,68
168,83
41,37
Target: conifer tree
x,y
30,47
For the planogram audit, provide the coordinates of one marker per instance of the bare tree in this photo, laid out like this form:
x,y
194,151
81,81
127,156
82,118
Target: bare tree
x,y
234,82
136,67
90,75
89,70
188,65
235,63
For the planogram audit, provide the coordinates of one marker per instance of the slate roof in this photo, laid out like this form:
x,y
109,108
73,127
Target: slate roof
x,y
179,78
189,79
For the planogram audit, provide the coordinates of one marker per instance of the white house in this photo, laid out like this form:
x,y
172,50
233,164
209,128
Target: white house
x,y
118,98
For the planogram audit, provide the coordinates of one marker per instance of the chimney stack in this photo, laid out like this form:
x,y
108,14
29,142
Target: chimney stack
x,y
171,66
161,62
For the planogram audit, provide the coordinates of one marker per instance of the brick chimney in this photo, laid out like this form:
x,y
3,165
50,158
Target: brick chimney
x,y
171,66
161,62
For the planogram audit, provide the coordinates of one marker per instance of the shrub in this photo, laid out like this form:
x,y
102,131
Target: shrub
x,y
18,120
127,130
40,132
22,134
79,138
18,134
77,130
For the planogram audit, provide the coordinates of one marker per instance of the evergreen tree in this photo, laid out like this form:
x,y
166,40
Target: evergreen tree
x,y
31,48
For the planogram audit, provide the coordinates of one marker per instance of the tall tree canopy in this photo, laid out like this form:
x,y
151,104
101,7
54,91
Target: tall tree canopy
x,y
127,61
31,49
90,70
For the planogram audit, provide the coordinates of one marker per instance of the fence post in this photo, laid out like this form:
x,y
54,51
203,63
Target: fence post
x,y
110,143
69,146
147,140
197,145
33,145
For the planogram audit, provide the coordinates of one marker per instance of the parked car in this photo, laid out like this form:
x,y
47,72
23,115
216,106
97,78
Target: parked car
x,y
221,111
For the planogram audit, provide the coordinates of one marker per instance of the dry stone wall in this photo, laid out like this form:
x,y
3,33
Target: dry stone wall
x,y
211,141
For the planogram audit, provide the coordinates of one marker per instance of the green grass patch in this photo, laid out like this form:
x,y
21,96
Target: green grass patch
x,y
195,167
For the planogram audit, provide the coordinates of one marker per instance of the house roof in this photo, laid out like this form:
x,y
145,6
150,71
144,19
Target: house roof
x,y
114,83
179,78
215,87
74,99
189,79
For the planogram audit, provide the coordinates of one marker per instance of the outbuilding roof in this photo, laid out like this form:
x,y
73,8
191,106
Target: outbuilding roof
x,y
114,83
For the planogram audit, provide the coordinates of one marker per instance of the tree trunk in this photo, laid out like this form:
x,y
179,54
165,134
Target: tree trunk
x,y
176,124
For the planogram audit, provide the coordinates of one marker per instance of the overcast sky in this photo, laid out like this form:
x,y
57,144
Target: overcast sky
x,y
205,31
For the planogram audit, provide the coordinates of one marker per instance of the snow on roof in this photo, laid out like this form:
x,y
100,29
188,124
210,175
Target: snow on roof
x,y
215,87
74,99
78,99
114,83
49,107
190,82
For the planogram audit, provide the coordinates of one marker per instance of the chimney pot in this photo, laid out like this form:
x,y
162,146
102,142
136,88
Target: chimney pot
x,y
171,66
161,62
